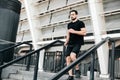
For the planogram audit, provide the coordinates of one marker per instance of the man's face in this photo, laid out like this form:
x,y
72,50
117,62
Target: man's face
x,y
73,15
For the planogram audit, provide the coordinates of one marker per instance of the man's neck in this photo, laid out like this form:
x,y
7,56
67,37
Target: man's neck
x,y
74,20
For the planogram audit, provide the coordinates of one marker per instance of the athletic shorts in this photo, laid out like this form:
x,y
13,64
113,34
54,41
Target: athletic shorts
x,y
72,48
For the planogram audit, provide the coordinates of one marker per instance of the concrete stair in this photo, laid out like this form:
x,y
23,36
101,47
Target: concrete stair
x,y
18,73
28,75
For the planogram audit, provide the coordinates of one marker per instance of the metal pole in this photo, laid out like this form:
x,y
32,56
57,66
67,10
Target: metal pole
x,y
63,57
113,60
92,66
36,66
54,61
1,63
29,59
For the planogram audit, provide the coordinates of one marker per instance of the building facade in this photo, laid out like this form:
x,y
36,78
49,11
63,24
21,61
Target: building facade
x,y
43,21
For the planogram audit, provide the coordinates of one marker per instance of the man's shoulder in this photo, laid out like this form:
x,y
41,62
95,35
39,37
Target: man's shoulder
x,y
69,23
80,21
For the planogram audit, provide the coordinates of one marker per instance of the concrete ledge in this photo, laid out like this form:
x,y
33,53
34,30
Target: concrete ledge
x,y
105,76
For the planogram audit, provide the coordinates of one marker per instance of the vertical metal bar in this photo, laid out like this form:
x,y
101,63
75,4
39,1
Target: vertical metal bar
x,y
92,66
48,62
46,58
36,66
113,60
54,61
1,63
63,57
28,63
109,69
29,59
60,61
44,63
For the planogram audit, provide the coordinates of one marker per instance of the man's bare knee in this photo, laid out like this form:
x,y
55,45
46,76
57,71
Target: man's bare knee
x,y
68,59
73,56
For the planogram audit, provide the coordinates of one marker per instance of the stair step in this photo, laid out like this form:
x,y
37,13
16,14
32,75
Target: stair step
x,y
13,69
28,75
10,79
16,73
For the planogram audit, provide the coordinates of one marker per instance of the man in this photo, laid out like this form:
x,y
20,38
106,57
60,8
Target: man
x,y
74,40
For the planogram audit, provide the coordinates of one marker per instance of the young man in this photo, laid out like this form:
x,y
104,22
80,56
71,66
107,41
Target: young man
x,y
74,40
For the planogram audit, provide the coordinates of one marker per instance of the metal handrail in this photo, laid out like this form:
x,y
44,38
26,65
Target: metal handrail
x,y
13,46
112,67
29,54
64,70
87,53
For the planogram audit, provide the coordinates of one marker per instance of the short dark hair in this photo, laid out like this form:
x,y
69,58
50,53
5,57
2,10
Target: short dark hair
x,y
74,11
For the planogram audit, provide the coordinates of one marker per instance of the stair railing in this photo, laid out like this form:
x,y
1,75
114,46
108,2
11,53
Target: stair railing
x,y
28,55
91,52
13,46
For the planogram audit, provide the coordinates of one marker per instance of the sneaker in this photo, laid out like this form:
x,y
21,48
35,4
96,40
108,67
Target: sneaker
x,y
77,74
70,78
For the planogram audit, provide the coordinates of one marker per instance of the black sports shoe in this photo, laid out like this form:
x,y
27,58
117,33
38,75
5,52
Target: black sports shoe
x,y
77,74
70,78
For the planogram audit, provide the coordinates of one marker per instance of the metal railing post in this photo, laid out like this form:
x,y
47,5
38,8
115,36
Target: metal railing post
x,y
36,66
92,65
63,57
29,59
1,63
113,60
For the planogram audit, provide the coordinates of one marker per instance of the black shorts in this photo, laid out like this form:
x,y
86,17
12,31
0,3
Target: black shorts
x,y
73,48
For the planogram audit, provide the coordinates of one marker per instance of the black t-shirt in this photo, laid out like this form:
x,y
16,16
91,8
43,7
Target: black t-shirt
x,y
74,38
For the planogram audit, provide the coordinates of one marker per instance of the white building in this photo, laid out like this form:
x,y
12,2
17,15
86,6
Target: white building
x,y
43,21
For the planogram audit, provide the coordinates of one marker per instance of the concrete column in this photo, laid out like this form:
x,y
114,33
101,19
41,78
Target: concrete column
x,y
98,21
33,24
41,60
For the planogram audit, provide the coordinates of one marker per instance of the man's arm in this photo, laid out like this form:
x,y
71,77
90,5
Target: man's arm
x,y
82,32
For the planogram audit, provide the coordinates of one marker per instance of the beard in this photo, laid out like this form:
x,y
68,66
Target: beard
x,y
73,19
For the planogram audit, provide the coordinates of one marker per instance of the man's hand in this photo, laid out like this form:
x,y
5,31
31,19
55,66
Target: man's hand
x,y
71,31
65,44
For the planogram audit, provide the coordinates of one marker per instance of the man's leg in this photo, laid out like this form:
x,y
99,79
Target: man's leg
x,y
68,61
73,58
